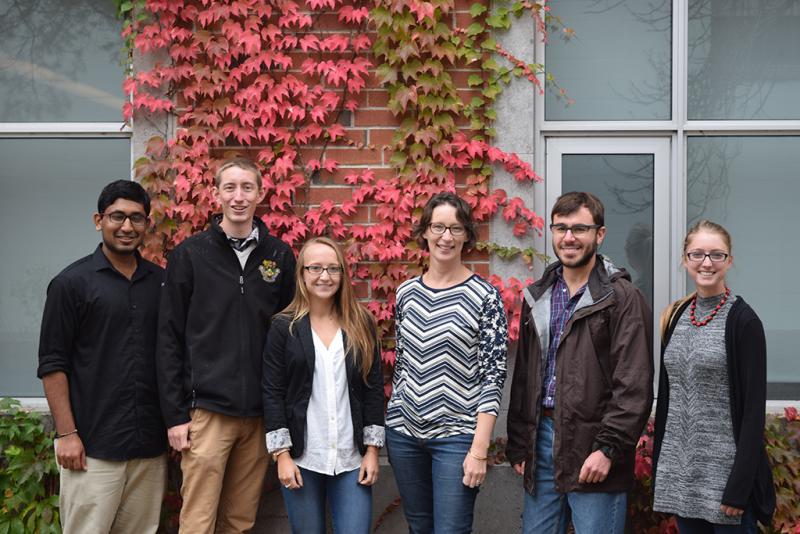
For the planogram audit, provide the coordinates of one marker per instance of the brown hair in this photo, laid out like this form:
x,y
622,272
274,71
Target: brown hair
x,y
242,163
356,322
463,214
711,227
569,203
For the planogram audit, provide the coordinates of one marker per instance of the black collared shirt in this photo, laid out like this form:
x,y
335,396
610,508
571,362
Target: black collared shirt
x,y
100,329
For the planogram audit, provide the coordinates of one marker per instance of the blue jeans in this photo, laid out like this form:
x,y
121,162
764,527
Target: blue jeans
x,y
690,525
548,511
429,475
350,503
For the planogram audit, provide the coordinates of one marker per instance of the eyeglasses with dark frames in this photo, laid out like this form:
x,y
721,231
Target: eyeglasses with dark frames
x,y
332,270
699,256
578,230
138,220
456,230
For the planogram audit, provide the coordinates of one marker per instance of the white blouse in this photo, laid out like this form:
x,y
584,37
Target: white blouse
x,y
329,449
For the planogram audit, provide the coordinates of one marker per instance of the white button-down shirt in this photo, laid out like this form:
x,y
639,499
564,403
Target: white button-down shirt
x,y
329,449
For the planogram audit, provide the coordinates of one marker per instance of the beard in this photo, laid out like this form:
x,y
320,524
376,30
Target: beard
x,y
590,250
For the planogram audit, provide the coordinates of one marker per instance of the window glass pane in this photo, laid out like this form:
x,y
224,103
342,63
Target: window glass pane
x,y
60,61
744,59
50,189
750,185
624,183
618,64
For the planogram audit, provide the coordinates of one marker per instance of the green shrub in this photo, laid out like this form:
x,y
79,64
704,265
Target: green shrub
x,y
782,434
28,473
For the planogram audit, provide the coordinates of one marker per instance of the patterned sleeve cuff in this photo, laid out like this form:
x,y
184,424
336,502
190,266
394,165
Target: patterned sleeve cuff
x,y
374,435
278,439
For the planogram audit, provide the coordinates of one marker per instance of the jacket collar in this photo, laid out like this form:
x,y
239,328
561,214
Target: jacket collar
x,y
598,286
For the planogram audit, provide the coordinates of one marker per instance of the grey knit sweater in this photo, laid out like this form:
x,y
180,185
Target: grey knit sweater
x,y
698,447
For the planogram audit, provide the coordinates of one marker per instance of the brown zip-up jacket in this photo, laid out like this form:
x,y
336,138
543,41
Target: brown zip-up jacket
x,y
604,377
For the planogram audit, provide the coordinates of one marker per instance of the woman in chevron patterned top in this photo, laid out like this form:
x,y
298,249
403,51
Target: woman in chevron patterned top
x,y
449,374
709,462
323,397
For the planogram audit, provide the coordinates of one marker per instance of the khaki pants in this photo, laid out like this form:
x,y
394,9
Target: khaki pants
x,y
223,473
117,497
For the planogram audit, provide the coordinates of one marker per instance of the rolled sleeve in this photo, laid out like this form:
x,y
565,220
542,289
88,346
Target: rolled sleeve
x,y
493,353
374,435
278,439
59,326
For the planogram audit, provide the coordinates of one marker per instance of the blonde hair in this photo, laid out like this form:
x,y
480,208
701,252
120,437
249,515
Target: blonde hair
x,y
355,321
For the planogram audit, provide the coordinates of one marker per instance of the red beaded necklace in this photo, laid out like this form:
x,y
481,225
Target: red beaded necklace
x,y
713,313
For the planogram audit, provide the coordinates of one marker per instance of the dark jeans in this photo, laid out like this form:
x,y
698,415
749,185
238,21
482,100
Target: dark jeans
x,y
549,511
350,503
429,475
690,525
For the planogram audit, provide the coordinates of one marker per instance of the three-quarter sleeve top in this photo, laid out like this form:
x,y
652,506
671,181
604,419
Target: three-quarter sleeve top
x,y
450,357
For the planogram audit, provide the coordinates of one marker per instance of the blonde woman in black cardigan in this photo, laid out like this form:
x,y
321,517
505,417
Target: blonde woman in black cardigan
x,y
709,462
323,397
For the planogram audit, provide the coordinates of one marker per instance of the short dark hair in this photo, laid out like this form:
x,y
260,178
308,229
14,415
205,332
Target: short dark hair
x,y
463,214
569,203
127,189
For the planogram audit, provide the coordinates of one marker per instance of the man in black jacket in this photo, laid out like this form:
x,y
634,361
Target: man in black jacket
x,y
222,288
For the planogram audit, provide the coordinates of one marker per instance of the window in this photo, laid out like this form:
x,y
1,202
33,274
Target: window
x,y
744,59
750,185
617,66
61,140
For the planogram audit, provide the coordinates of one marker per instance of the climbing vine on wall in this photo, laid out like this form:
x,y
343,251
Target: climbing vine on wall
x,y
278,80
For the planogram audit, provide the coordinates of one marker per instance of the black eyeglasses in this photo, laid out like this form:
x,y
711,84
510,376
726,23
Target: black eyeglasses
x,y
332,270
577,230
138,220
456,230
698,256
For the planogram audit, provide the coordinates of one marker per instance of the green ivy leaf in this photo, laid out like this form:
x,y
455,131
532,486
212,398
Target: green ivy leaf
x,y
489,44
475,80
475,28
477,10
381,16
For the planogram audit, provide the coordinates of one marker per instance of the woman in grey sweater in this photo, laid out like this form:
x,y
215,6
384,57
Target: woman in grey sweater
x,y
709,462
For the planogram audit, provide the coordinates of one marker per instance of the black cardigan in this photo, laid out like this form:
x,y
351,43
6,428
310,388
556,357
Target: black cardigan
x,y
288,373
750,481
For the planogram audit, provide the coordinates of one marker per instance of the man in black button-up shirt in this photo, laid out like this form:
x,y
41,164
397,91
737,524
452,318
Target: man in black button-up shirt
x,y
96,361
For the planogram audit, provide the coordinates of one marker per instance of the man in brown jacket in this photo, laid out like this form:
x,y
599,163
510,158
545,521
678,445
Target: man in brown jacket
x,y
583,381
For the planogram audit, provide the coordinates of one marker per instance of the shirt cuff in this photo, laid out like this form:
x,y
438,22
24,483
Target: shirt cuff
x,y
278,439
374,435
